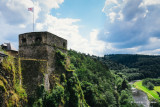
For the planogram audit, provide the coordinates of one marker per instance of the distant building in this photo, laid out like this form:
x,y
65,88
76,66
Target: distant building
x,y
10,49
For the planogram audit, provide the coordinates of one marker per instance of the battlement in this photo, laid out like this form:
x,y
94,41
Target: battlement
x,y
36,44
41,38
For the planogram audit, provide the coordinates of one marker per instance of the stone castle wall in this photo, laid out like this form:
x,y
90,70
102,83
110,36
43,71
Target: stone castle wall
x,y
36,45
36,48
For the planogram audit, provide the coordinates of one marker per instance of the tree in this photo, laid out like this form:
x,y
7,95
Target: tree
x,y
158,93
150,86
124,85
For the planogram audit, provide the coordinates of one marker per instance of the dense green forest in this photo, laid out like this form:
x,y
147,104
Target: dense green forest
x,y
101,87
150,83
87,81
133,66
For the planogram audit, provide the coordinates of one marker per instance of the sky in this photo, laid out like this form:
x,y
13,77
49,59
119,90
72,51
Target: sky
x,y
95,27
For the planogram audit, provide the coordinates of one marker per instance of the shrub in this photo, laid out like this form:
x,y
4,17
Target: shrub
x,y
55,98
150,86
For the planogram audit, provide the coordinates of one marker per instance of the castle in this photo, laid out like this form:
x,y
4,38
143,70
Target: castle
x,y
37,55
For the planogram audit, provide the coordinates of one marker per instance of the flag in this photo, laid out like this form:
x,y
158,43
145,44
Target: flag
x,y
30,9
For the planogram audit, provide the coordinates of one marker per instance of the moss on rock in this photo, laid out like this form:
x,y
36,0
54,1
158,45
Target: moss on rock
x,y
33,72
70,82
11,91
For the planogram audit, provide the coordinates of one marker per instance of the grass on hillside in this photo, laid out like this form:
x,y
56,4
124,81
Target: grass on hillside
x,y
157,88
152,94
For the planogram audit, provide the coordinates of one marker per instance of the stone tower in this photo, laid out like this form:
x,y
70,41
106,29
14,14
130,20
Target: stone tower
x,y
37,53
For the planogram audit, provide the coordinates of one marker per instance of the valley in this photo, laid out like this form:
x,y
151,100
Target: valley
x,y
134,67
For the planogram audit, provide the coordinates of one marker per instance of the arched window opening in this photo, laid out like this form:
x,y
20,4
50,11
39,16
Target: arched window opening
x,y
24,40
38,39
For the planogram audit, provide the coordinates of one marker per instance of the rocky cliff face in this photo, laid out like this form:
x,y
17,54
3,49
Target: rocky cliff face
x,y
19,88
11,91
66,89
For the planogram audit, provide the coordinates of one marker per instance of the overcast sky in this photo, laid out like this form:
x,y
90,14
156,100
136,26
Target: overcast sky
x,y
91,26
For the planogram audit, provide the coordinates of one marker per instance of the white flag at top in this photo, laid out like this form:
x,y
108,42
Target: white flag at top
x,y
31,9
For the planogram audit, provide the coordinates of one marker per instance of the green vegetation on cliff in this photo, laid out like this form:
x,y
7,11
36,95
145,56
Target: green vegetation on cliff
x,y
79,81
85,82
101,87
11,91
67,92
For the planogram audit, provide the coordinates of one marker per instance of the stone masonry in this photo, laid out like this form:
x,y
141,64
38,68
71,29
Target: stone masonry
x,y
37,53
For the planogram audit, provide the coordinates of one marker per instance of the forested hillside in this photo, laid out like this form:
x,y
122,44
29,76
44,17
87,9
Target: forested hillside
x,y
86,82
101,87
133,66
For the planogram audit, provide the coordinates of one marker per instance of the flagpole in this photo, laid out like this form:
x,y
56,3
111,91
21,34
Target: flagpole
x,y
33,16
32,10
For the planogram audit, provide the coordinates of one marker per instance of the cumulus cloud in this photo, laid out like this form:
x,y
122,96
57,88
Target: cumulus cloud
x,y
49,4
150,2
134,24
16,19
67,28
15,12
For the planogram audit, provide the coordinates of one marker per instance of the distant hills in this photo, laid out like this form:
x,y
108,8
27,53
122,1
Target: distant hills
x,y
133,66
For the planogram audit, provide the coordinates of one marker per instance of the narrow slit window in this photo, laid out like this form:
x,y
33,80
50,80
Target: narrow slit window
x,y
64,44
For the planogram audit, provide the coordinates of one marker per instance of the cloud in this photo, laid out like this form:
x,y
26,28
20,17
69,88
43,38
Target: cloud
x,y
150,52
16,19
132,25
112,16
153,44
15,12
49,4
150,2
67,28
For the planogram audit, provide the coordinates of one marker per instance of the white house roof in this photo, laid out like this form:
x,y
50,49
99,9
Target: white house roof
x,y
9,47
